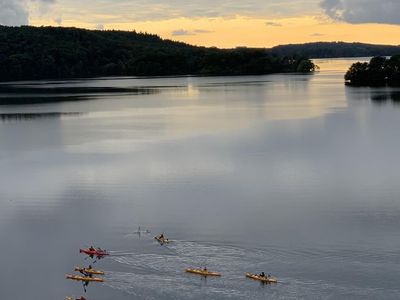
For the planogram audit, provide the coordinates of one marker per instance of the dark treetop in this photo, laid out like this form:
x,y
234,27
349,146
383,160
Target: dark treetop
x,y
53,52
336,49
380,71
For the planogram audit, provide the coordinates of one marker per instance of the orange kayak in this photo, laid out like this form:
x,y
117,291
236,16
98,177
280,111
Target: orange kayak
x,y
83,278
89,271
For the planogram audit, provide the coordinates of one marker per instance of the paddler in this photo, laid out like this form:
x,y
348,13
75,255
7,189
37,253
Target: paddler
x,y
89,274
262,274
83,271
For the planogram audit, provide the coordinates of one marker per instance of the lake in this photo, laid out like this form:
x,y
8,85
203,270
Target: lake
x,y
291,174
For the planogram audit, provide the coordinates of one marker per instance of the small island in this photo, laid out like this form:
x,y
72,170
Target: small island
x,y
30,53
380,71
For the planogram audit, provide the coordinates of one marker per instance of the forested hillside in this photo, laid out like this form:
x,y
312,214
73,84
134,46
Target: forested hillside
x,y
28,52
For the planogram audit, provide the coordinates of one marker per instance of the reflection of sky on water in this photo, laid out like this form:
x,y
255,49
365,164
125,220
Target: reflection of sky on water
x,y
198,106
289,174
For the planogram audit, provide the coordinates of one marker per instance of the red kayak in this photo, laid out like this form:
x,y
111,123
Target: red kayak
x,y
99,253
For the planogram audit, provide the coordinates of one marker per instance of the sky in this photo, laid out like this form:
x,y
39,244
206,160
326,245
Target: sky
x,y
221,23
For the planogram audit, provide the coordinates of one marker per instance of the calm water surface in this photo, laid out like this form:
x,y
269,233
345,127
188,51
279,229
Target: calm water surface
x,y
293,175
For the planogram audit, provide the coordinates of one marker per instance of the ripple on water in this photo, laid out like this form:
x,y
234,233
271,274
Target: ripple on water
x,y
161,275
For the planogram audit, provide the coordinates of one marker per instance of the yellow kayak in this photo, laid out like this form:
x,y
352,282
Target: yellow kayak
x,y
261,278
89,271
202,272
83,278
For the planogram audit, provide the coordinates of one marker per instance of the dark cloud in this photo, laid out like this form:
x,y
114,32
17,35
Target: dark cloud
x,y
317,34
363,11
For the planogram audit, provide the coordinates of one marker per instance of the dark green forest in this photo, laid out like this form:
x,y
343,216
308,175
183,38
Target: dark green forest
x,y
380,71
28,52
336,49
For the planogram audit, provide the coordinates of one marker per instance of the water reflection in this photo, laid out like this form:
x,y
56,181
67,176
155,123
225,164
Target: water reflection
x,y
377,95
30,93
33,116
259,173
37,99
386,97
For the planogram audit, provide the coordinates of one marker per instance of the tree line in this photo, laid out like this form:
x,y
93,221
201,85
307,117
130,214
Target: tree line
x,y
28,52
380,71
336,49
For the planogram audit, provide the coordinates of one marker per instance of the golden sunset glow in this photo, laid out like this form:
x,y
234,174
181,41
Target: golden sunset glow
x,y
253,32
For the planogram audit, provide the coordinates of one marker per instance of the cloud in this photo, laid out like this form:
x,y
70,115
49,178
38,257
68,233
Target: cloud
x,y
99,27
16,12
317,34
13,12
363,11
126,11
181,32
202,31
58,21
43,5
276,24
227,8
